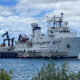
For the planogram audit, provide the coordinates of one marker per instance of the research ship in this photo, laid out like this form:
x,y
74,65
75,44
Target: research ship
x,y
59,41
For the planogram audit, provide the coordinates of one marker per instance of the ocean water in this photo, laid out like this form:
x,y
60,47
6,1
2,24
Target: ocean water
x,y
24,69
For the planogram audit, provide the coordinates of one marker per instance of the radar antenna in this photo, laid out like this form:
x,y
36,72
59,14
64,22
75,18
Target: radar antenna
x,y
66,23
61,19
62,14
57,21
54,20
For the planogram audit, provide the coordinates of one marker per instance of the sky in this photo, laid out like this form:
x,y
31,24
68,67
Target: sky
x,y
16,16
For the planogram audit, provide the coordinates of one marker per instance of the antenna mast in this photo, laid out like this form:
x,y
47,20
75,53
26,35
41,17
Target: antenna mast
x,y
57,21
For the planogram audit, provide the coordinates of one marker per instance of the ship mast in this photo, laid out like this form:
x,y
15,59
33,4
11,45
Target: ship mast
x,y
56,21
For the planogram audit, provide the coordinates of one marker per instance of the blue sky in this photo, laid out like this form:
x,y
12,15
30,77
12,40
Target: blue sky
x,y
42,13
16,16
7,2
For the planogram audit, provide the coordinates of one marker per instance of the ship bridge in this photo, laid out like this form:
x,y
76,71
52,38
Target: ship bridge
x,y
59,28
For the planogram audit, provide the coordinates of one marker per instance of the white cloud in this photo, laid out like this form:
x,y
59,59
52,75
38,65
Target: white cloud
x,y
16,24
20,17
26,9
42,1
6,11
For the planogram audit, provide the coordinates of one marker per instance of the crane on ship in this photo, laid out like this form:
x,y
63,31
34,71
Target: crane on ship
x,y
8,39
22,39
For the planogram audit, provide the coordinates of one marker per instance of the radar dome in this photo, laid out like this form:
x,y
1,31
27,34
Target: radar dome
x,y
34,25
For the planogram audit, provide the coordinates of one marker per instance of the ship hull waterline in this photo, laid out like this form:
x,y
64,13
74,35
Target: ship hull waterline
x,y
34,56
8,55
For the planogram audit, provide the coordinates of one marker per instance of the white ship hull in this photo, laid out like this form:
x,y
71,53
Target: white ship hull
x,y
58,50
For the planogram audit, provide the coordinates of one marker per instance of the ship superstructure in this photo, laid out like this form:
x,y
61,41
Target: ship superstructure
x,y
58,42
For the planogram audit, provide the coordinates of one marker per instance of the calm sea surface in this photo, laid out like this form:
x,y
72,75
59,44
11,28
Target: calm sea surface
x,y
24,69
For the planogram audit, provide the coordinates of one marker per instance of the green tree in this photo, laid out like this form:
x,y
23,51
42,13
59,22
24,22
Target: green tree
x,y
51,72
5,75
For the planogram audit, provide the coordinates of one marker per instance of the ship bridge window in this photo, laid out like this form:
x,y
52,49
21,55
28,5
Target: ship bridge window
x,y
43,34
64,31
24,50
18,51
53,43
40,37
55,31
42,47
68,45
41,43
21,51
53,27
51,31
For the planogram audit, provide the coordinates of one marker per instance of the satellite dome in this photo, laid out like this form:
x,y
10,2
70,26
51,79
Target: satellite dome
x,y
34,25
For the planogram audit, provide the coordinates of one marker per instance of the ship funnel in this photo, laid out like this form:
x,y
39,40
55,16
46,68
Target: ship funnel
x,y
34,25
